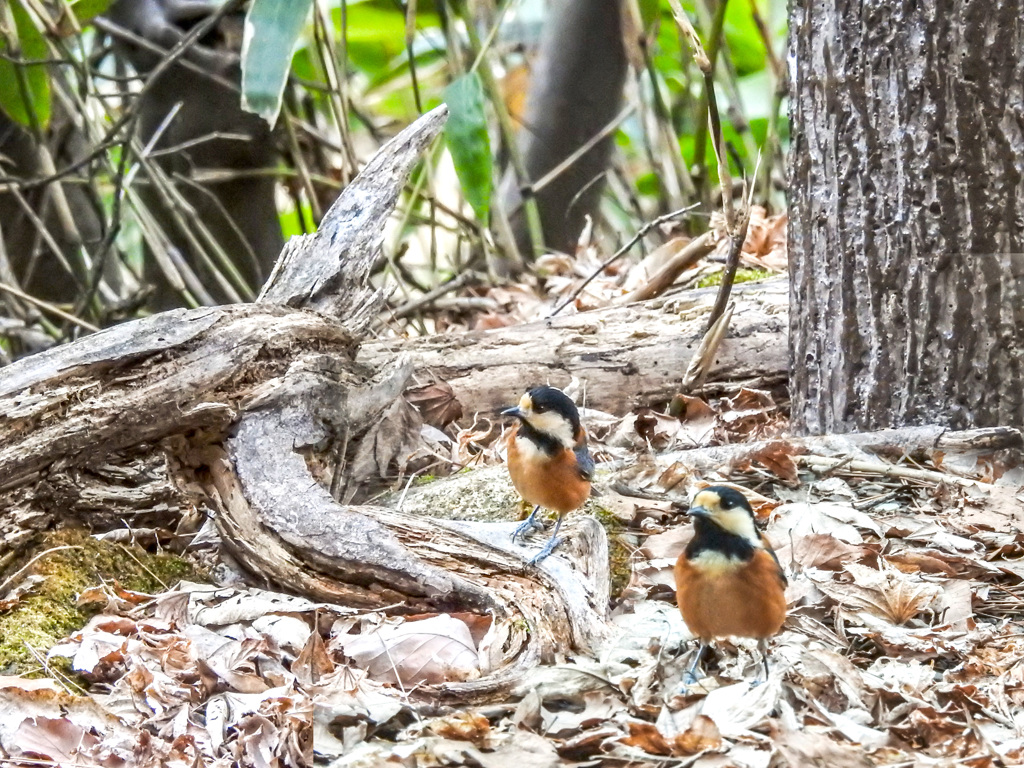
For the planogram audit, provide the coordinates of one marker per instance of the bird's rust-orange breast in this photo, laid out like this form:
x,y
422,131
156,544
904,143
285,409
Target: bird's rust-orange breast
x,y
719,598
553,482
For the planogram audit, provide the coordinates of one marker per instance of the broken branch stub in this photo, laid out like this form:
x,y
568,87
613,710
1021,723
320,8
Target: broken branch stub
x,y
329,271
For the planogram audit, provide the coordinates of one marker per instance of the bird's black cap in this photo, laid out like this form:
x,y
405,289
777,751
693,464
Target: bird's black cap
x,y
730,498
551,399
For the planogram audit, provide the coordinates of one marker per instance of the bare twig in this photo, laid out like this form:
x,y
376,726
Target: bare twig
x,y
110,140
589,144
704,356
886,470
411,306
660,282
736,240
47,307
642,232
16,576
735,226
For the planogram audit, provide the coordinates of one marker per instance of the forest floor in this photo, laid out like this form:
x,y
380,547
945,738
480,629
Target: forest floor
x,y
904,644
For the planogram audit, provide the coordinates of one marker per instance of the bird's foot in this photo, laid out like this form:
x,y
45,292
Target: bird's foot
x,y
553,542
690,678
527,525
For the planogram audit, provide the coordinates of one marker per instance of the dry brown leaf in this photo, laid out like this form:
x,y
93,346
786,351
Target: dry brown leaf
x,y
668,545
437,403
598,707
748,413
56,739
234,664
435,650
313,662
838,519
777,457
463,726
641,274
699,420
647,737
885,593
819,550
701,736
663,432
738,708
808,748
394,437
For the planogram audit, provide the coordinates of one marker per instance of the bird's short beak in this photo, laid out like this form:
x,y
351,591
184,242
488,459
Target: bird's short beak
x,y
516,411
699,512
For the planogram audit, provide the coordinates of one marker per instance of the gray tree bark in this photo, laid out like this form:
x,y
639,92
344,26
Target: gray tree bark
x,y
906,231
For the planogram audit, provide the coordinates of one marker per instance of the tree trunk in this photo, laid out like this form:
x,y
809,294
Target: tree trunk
x,y
906,230
575,91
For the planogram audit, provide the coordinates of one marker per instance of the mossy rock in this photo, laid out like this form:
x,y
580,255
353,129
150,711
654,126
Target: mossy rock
x,y
487,495
50,613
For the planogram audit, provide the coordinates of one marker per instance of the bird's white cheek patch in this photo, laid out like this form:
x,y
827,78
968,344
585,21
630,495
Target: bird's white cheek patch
x,y
713,563
739,523
551,423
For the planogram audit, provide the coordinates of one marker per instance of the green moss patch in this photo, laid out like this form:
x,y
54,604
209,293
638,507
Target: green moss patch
x,y
620,562
50,612
743,275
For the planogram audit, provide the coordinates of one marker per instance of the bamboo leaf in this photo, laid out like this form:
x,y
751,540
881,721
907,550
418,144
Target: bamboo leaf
x,y
272,28
468,141
87,10
24,88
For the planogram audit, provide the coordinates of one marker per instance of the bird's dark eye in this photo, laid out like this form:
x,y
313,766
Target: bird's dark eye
x,y
539,408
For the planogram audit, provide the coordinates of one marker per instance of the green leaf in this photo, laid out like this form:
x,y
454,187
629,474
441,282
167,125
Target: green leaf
x,y
24,89
375,33
272,28
744,40
87,10
468,141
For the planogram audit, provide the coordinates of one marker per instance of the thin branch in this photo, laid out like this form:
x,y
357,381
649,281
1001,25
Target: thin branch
x,y
466,278
689,255
641,233
589,144
47,307
110,140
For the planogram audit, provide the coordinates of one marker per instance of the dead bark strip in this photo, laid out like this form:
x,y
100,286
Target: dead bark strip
x,y
625,356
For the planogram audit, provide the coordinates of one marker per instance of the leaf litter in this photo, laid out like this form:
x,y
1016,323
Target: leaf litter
x,y
904,644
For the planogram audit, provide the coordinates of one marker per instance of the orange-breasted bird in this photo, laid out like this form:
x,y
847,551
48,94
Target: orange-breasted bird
x,y
548,458
729,582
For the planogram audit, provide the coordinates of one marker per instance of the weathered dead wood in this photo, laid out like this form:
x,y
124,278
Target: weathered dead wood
x,y
244,401
990,452
626,356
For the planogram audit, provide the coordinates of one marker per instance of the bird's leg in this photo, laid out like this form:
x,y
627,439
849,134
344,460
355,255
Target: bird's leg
x,y
528,524
762,646
691,674
553,542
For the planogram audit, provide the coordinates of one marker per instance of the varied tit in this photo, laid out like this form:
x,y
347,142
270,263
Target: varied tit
x,y
548,458
729,582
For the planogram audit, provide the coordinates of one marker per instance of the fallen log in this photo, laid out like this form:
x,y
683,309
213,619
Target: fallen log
x,y
625,356
244,414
